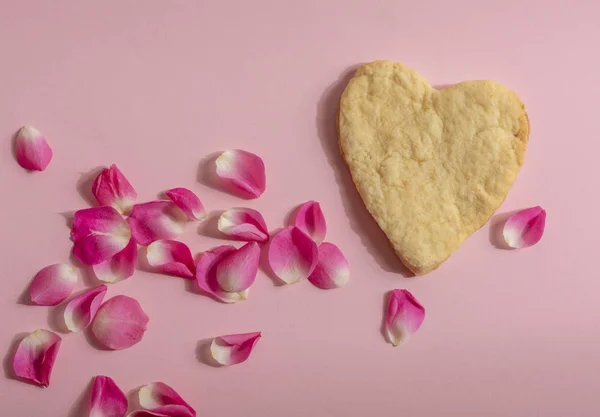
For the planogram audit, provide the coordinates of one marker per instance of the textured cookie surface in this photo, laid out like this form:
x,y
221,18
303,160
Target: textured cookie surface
x,y
431,166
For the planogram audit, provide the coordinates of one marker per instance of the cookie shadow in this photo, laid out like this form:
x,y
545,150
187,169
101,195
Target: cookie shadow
x,y
496,227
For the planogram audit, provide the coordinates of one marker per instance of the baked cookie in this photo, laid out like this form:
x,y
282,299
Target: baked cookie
x,y
431,166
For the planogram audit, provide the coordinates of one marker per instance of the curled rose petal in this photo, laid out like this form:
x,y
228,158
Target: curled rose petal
x,y
292,255
233,349
525,228
237,271
172,410
332,270
156,395
111,188
120,323
107,399
188,202
156,220
244,171
52,285
171,257
310,220
244,224
119,267
206,275
32,149
35,356
80,311
403,317
99,233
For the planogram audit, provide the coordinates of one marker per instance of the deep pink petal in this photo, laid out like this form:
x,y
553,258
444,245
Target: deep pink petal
x,y
157,395
332,270
111,188
119,267
32,149
35,356
80,311
172,410
107,399
171,257
292,255
233,349
120,323
525,228
52,285
156,220
244,224
310,220
244,171
206,274
237,271
188,202
404,316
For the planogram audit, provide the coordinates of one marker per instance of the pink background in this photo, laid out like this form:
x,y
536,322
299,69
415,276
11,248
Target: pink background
x,y
157,87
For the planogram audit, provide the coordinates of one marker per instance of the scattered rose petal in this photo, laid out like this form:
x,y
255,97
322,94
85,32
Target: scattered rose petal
x,y
188,202
243,170
107,399
403,317
233,349
32,149
111,188
52,285
119,267
35,356
80,311
99,233
237,271
292,255
171,257
156,220
172,410
206,275
310,220
525,228
332,270
120,323
156,395
244,224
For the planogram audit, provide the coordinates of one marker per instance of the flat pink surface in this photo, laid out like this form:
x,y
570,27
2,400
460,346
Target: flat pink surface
x,y
158,87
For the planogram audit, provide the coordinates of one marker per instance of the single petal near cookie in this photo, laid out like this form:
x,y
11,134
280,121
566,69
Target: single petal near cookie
x,y
244,224
52,285
188,202
292,255
32,149
119,267
206,275
120,323
80,311
403,317
332,270
233,349
107,399
111,188
243,170
156,220
525,228
35,356
310,220
171,257
237,271
157,395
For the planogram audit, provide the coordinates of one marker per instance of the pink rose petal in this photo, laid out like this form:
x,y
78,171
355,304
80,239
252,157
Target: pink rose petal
x,y
310,220
32,149
332,270
525,228
404,316
80,311
35,356
188,202
237,271
292,255
111,188
157,395
206,275
156,220
244,171
120,323
99,233
52,285
119,267
233,349
171,257
107,399
172,410
244,224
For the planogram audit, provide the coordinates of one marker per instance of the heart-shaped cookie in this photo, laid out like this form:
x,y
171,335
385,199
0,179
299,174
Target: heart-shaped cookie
x,y
431,166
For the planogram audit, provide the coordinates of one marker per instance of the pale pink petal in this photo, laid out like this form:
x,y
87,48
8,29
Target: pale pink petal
x,y
157,395
206,275
107,399
188,202
111,188
332,270
171,257
233,349
243,170
80,311
292,255
244,224
35,356
119,267
525,228
172,410
52,285
237,271
310,220
32,149
99,233
403,317
120,323
156,220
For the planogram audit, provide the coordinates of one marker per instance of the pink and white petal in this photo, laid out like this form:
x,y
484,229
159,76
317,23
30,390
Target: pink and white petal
x,y
52,285
156,220
188,202
119,267
158,394
32,149
99,233
80,311
310,220
233,349
525,228
172,410
244,224
404,316
111,188
107,399
243,170
292,255
332,270
237,271
120,323
171,257
206,275
35,356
